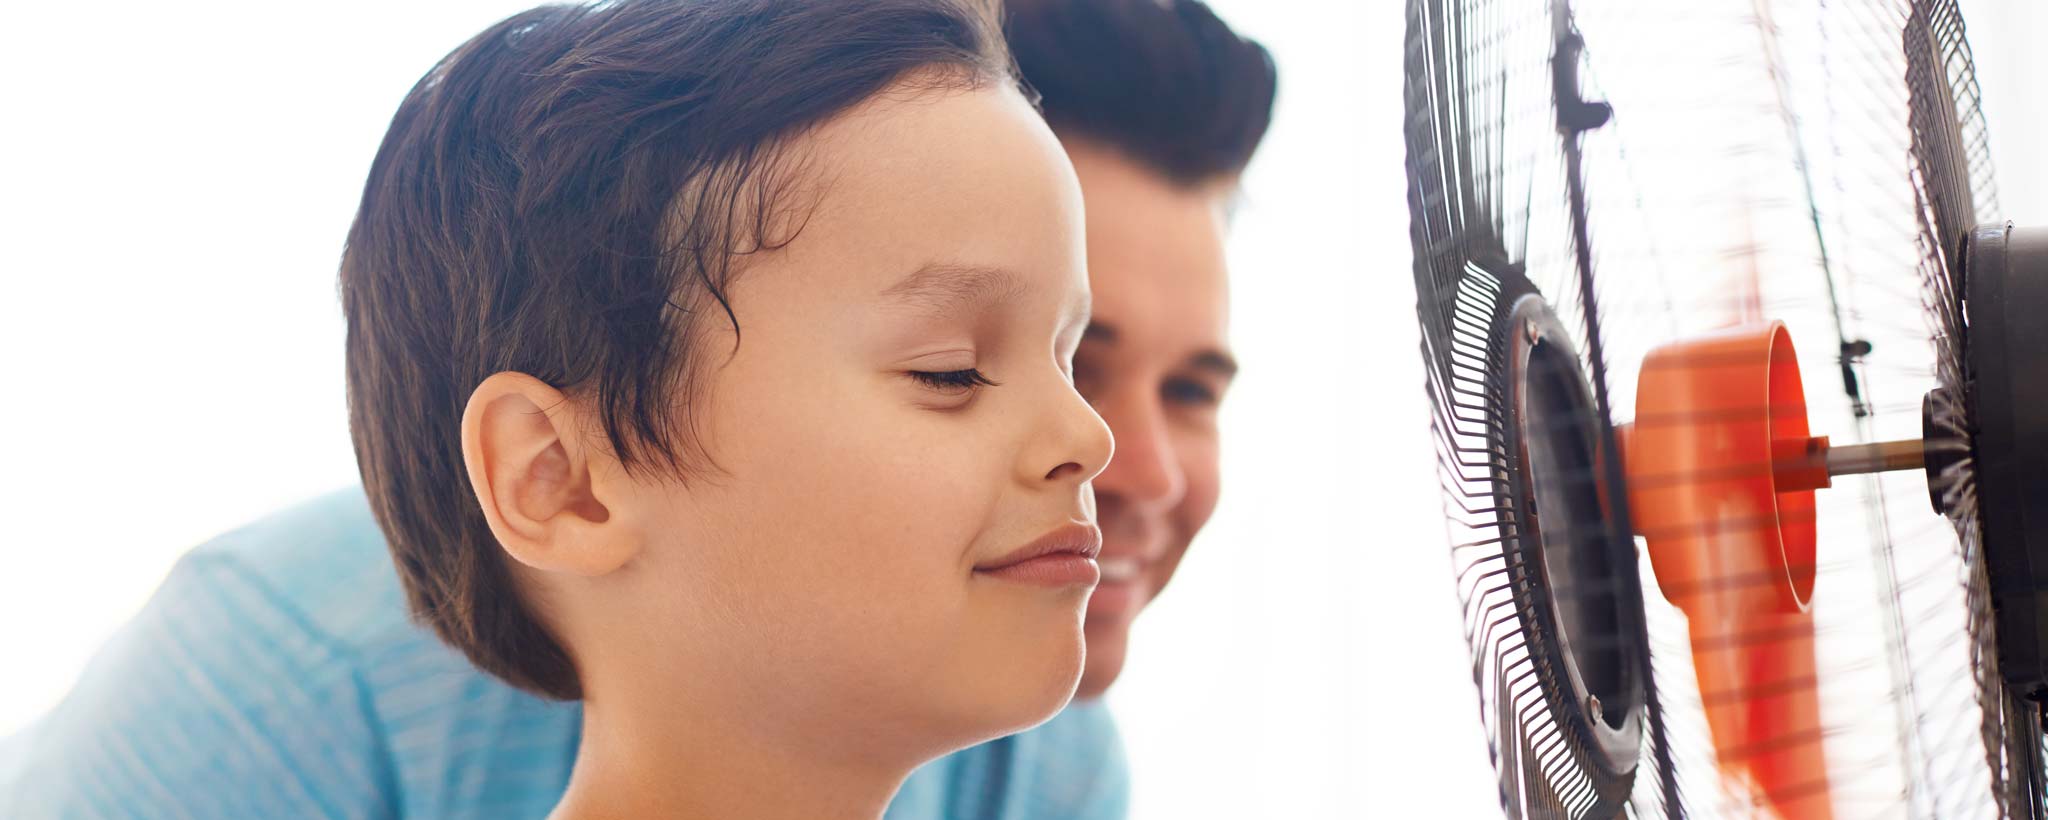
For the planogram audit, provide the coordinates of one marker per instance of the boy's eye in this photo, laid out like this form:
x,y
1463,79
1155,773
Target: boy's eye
x,y
952,380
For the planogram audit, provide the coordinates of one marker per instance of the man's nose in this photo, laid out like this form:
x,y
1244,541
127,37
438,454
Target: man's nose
x,y
1145,470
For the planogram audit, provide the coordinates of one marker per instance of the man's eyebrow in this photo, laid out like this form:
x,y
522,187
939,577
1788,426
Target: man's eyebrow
x,y
941,288
1215,361
1212,360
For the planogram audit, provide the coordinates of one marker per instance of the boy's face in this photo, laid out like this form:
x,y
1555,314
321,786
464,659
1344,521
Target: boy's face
x,y
835,564
1155,363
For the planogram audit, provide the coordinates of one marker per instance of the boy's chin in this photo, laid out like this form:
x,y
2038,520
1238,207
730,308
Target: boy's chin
x,y
1022,693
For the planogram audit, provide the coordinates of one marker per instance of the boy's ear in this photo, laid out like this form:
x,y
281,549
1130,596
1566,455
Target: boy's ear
x,y
534,476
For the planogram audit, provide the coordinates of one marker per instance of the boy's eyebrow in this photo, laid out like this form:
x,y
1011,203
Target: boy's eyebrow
x,y
941,289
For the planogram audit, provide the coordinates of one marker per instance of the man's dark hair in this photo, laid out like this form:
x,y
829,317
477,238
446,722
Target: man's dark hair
x,y
564,196
1162,81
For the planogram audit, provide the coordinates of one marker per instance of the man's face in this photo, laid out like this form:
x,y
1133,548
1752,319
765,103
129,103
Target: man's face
x,y
1154,362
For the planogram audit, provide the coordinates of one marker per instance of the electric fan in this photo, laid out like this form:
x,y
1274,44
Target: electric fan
x,y
1702,574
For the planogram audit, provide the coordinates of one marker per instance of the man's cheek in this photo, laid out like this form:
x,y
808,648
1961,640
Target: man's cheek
x,y
1203,488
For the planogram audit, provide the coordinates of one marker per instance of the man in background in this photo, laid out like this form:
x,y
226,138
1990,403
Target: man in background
x,y
275,673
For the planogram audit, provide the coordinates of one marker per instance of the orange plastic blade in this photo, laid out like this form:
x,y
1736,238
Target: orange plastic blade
x,y
1732,545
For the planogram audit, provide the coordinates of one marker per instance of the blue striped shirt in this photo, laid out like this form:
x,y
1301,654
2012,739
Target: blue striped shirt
x,y
275,674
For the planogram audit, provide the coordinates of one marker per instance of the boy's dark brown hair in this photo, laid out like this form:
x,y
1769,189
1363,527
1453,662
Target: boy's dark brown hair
x,y
564,196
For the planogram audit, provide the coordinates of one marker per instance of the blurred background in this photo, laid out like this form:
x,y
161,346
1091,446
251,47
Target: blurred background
x,y
176,181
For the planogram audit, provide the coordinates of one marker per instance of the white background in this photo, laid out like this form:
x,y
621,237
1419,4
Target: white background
x,y
175,183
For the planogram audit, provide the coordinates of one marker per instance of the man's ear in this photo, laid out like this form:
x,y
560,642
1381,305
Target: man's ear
x,y
532,471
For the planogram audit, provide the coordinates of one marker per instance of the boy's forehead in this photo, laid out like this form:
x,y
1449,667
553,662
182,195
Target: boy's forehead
x,y
917,139
910,178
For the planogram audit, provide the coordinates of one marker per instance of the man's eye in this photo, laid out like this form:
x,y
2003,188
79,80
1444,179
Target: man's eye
x,y
1189,392
952,380
1085,378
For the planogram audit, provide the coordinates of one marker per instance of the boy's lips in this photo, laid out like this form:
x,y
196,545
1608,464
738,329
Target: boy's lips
x,y
1063,557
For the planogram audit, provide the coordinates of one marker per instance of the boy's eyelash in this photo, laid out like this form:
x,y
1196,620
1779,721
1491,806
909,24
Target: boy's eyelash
x,y
952,379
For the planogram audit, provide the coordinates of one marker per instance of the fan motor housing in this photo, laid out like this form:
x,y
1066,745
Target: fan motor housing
x,y
2005,293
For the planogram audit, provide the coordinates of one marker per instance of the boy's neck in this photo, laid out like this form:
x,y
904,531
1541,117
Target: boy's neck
x,y
658,759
